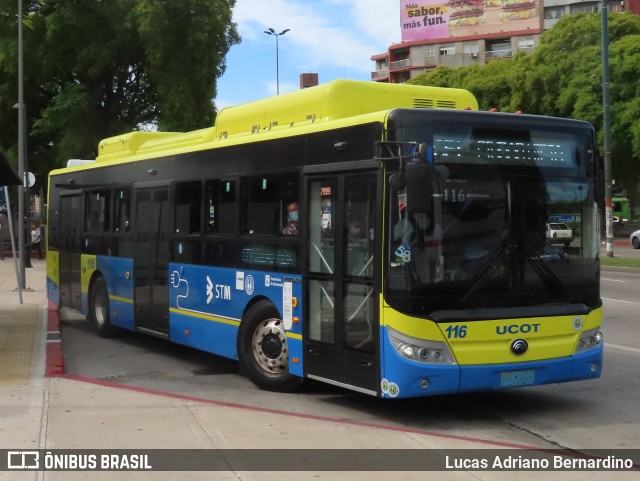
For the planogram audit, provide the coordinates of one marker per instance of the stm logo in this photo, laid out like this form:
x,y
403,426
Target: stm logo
x,y
519,347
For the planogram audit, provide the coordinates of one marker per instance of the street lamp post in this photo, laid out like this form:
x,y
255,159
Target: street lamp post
x,y
273,33
21,151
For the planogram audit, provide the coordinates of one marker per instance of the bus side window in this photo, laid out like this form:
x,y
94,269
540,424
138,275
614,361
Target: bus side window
x,y
260,205
188,208
122,207
211,191
98,212
220,215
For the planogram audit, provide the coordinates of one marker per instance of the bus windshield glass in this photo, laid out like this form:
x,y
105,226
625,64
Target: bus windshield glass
x,y
487,235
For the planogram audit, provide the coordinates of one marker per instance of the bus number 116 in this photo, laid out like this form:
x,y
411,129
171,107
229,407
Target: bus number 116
x,y
457,332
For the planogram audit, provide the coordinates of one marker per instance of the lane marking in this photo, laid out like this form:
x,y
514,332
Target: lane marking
x,y
618,300
622,348
612,280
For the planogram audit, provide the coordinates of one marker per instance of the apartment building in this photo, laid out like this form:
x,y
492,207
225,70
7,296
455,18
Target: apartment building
x,y
459,33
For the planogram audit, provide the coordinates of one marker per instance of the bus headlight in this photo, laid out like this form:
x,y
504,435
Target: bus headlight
x,y
431,352
589,340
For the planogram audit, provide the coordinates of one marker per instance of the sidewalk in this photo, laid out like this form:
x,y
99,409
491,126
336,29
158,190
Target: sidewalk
x,y
62,411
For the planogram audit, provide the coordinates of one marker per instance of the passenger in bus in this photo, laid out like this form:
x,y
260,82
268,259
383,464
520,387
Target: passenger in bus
x,y
357,230
292,227
403,230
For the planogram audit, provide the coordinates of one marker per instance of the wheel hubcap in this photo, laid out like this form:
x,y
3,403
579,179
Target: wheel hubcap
x,y
269,346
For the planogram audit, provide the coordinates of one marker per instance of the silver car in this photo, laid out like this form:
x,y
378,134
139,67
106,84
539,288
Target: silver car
x,y
634,238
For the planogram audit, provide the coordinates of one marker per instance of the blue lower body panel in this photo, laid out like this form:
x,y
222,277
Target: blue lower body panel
x,y
587,365
207,335
402,377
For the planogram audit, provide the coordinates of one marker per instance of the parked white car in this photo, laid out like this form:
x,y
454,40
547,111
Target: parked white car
x,y
559,233
634,238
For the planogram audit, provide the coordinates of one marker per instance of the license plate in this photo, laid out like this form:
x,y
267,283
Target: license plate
x,y
517,378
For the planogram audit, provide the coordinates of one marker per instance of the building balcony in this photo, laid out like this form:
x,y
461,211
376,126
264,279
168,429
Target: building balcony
x,y
380,74
400,64
496,54
409,64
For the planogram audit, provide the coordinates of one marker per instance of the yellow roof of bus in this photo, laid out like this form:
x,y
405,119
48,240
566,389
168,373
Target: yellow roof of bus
x,y
340,103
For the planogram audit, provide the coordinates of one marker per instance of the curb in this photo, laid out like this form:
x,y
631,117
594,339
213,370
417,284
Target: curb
x,y
54,364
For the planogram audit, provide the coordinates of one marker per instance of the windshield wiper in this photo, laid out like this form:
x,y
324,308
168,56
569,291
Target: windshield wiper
x,y
539,266
483,274
545,273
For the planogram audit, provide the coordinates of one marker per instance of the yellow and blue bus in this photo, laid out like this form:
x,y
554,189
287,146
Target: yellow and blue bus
x,y
389,239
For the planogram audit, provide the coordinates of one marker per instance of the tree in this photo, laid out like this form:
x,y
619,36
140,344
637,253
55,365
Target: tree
x,y
94,69
563,77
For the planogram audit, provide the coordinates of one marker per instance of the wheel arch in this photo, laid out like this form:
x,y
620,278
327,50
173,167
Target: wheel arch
x,y
255,301
92,280
97,273
99,314
262,315
244,319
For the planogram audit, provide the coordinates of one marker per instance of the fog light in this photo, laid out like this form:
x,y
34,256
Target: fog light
x,y
594,367
424,384
408,351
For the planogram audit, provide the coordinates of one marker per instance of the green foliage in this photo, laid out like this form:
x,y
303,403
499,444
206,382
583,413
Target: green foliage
x,y
607,261
179,34
563,77
95,68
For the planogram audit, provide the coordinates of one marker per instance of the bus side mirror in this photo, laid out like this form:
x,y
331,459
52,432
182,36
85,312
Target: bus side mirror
x,y
419,179
419,190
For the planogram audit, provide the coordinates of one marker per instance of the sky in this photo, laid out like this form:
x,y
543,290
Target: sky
x,y
333,38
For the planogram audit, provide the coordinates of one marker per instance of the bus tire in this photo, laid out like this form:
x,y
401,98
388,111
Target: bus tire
x,y
99,308
263,349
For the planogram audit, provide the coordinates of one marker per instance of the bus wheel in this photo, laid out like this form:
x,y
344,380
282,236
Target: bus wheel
x,y
99,308
263,349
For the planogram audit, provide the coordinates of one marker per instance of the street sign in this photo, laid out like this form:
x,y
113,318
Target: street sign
x,y
30,179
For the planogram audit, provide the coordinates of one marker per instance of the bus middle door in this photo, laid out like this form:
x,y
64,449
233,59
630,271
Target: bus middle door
x,y
340,345
151,234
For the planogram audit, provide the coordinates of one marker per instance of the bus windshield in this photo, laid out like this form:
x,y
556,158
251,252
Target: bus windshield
x,y
487,237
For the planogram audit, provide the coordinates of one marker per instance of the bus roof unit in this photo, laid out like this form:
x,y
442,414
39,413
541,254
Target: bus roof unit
x,y
337,100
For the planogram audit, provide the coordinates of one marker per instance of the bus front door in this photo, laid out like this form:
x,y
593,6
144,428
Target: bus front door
x,y
151,234
341,344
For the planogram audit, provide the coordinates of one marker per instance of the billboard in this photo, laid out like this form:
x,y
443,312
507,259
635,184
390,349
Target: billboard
x,y
445,19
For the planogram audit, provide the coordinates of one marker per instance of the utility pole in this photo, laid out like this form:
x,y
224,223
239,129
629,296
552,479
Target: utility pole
x,y
21,151
606,120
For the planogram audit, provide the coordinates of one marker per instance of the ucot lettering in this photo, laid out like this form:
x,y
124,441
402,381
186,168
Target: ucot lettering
x,y
517,329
